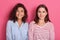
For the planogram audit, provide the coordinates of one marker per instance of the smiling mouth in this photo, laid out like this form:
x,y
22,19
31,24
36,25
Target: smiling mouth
x,y
41,16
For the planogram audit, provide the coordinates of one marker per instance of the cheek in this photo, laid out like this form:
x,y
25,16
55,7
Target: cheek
x,y
44,15
38,14
23,14
17,14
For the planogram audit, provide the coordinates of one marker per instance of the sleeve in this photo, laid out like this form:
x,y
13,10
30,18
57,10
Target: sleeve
x,y
52,33
27,31
30,32
8,31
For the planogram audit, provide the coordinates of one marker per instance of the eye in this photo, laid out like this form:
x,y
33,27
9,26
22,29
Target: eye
x,y
39,11
43,11
22,10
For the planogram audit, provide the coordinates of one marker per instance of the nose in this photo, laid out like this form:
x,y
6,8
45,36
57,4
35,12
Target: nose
x,y
40,14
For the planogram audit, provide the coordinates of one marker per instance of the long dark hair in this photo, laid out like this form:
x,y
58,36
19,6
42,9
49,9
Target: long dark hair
x,y
47,16
14,10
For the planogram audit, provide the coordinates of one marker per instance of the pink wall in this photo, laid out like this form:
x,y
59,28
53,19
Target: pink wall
x,y
53,6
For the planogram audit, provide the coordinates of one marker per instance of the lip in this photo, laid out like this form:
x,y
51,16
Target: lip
x,y
41,16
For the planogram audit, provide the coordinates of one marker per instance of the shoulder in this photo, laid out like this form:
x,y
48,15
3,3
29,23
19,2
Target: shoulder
x,y
26,23
9,21
32,22
50,23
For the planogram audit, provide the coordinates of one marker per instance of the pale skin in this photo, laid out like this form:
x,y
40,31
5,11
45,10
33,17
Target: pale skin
x,y
41,14
20,15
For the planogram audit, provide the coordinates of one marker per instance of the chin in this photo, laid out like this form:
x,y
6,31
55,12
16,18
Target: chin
x,y
42,18
19,17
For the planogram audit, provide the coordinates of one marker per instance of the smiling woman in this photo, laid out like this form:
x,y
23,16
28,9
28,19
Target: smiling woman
x,y
18,9
17,27
41,28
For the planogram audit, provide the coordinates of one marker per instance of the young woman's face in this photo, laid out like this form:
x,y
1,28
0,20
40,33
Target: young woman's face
x,y
42,13
20,13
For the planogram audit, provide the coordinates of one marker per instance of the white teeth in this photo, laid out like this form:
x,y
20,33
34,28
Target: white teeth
x,y
19,16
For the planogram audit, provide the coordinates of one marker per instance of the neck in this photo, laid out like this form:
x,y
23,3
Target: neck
x,y
41,22
19,22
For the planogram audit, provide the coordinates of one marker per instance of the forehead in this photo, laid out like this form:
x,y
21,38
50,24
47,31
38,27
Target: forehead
x,y
20,8
41,9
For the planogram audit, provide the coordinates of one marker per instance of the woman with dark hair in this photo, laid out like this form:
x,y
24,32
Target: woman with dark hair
x,y
17,27
41,28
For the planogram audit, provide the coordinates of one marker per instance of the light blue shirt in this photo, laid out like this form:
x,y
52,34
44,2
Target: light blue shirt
x,y
14,32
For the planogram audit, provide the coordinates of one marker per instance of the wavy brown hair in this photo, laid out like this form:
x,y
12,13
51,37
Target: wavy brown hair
x,y
14,10
47,16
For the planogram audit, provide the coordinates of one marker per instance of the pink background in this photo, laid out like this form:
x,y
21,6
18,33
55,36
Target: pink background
x,y
54,13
